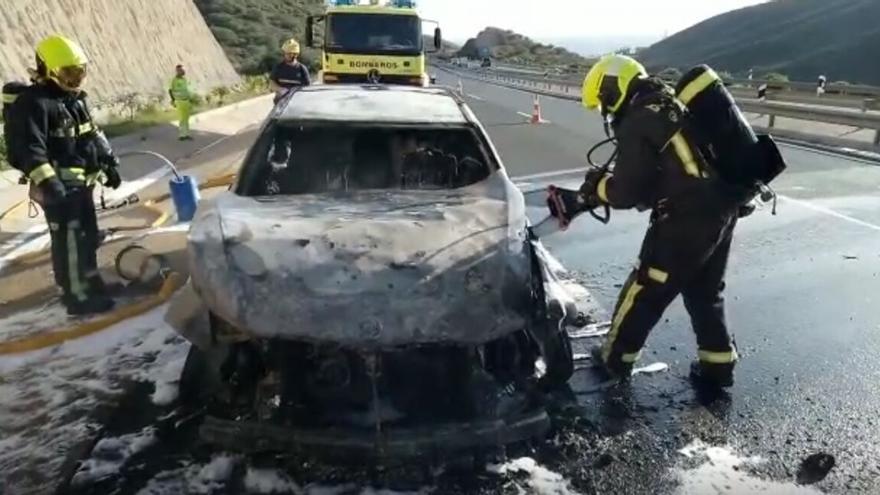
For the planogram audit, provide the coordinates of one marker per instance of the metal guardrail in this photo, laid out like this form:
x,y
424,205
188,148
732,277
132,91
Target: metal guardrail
x,y
810,113
842,89
840,95
830,88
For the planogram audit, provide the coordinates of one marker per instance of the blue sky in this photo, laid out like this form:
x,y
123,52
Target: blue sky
x,y
555,19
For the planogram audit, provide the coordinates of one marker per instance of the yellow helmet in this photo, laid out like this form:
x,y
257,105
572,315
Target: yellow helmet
x,y
62,60
607,83
290,46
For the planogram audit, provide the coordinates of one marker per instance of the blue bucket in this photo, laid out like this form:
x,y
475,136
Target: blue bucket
x,y
185,194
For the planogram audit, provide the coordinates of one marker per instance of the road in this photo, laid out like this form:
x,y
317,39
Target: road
x,y
800,293
801,290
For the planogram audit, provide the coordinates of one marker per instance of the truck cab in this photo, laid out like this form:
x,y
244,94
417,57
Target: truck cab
x,y
375,43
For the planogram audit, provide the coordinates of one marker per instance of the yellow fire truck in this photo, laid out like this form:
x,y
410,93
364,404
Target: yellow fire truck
x,y
374,43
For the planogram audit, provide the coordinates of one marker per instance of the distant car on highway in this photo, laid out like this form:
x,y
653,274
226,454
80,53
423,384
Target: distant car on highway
x,y
380,295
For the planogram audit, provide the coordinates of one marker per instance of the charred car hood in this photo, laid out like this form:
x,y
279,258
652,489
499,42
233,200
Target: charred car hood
x,y
372,268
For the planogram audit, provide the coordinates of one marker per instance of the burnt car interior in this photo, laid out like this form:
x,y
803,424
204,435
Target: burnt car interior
x,y
343,158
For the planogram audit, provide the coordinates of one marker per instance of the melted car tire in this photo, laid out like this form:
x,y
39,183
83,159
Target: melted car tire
x,y
200,380
558,357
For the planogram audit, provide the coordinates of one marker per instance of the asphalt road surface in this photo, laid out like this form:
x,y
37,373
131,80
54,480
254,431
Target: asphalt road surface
x,y
801,295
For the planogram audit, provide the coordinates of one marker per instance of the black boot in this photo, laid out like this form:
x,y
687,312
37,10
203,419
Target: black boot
x,y
614,367
712,375
92,305
98,287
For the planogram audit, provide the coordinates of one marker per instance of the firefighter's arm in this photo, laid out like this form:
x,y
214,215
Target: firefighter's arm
x,y
635,169
306,78
108,160
273,79
103,150
31,131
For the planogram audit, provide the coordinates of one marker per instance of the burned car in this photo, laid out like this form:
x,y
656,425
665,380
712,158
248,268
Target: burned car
x,y
378,293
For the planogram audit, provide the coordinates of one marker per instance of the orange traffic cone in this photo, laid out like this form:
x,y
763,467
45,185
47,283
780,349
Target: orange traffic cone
x,y
536,112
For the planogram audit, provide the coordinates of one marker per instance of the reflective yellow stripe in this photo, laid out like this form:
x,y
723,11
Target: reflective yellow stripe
x,y
658,275
625,307
77,289
73,173
712,357
41,173
683,151
631,358
8,98
62,133
94,178
602,188
696,86
87,127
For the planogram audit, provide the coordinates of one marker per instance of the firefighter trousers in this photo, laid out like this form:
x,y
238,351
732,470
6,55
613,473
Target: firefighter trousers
x,y
680,255
73,227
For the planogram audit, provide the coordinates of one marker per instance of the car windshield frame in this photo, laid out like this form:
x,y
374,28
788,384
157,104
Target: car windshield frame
x,y
359,25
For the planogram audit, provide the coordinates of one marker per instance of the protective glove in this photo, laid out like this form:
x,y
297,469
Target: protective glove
x,y
589,189
111,170
565,204
113,179
746,209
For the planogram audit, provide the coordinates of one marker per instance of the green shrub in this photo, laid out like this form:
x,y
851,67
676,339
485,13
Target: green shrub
x,y
219,94
251,31
670,74
4,164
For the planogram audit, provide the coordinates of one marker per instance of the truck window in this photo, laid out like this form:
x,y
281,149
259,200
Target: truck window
x,y
374,34
338,159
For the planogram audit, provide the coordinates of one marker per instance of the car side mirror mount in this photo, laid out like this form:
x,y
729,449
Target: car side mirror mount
x,y
438,38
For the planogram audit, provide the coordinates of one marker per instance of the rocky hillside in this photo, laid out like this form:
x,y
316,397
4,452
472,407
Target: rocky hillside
x,y
133,44
251,31
507,46
798,38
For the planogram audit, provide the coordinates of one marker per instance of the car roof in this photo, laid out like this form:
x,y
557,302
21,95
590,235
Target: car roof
x,y
378,103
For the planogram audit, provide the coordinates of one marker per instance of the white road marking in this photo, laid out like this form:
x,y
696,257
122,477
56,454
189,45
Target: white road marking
x,y
475,97
830,212
555,173
529,116
799,202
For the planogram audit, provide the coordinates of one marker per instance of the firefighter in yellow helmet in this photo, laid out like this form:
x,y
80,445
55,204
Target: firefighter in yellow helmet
x,y
287,75
290,72
54,141
685,250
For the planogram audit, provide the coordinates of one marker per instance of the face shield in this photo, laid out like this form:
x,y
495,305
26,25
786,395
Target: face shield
x,y
70,78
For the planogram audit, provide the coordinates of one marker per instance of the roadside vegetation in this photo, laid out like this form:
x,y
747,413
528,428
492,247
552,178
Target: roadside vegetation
x,y
251,31
801,39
